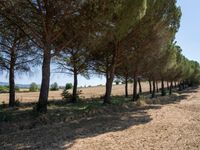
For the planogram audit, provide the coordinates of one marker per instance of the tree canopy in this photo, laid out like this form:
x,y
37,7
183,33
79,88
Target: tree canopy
x,y
125,39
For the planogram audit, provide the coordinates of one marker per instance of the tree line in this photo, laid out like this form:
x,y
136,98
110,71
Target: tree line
x,y
126,39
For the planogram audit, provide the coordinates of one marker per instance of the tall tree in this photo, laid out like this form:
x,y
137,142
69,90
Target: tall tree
x,y
45,22
17,54
73,61
123,70
121,19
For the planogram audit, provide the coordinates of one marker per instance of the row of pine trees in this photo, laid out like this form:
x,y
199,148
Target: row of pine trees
x,y
126,39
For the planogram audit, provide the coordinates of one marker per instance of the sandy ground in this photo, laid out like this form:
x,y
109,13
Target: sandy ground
x,y
90,92
172,126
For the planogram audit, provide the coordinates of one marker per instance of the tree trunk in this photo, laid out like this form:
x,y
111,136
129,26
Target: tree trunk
x,y
163,88
44,90
126,86
12,81
74,94
171,84
107,98
170,88
168,85
150,87
135,96
12,77
180,86
157,88
140,86
109,81
110,73
175,85
154,89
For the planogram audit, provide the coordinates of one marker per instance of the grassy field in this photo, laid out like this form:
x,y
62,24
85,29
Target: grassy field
x,y
90,92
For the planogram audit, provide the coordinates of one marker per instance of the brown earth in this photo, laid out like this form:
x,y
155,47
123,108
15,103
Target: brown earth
x,y
90,92
172,125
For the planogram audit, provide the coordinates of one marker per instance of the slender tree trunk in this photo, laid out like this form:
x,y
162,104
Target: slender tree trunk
x,y
175,85
154,89
163,88
74,94
168,85
170,88
157,88
171,84
126,86
12,77
135,89
180,86
44,90
109,82
140,86
12,81
107,97
110,73
150,87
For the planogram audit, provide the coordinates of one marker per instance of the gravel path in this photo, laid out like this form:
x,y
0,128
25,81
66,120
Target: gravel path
x,y
171,126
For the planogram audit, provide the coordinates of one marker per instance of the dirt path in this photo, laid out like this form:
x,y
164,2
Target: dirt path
x,y
175,126
172,126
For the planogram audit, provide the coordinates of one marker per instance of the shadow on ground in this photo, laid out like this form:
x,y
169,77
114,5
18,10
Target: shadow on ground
x,y
62,134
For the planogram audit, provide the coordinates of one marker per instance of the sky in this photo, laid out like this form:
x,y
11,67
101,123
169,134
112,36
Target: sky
x,y
188,38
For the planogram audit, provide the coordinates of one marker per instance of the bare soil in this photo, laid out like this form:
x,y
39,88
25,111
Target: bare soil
x,y
173,124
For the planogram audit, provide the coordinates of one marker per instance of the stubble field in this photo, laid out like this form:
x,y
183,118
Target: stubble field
x,y
90,92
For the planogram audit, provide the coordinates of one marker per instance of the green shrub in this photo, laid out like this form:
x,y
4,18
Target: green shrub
x,y
66,95
117,81
54,87
33,87
68,86
4,89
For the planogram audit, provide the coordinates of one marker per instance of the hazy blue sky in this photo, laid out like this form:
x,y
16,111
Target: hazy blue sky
x,y
188,38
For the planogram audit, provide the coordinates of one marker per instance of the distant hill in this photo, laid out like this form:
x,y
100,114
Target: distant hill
x,y
3,84
23,86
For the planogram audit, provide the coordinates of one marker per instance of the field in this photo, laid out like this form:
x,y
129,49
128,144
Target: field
x,y
90,92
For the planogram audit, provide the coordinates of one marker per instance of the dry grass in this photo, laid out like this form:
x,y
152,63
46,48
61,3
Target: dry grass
x,y
90,92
